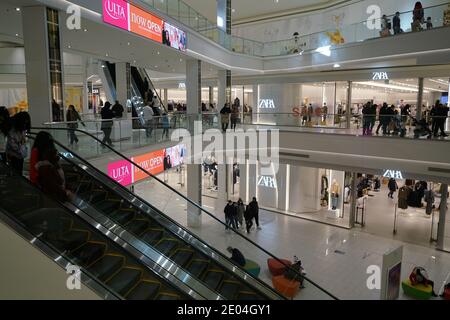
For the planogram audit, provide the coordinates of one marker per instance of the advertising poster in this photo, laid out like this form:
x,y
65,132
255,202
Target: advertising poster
x,y
174,37
146,24
153,162
120,172
116,13
174,157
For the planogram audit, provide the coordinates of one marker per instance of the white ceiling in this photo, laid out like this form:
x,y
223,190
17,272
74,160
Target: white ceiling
x,y
245,9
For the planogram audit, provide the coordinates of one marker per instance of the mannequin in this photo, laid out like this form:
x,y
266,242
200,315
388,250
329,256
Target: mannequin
x,y
335,191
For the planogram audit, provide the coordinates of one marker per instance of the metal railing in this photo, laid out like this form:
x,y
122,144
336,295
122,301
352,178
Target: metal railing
x,y
351,33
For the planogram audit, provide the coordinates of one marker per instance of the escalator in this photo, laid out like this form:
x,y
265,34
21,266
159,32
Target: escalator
x,y
99,194
147,228
68,238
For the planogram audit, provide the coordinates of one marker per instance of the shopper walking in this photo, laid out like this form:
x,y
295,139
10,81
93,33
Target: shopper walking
x,y
147,115
166,125
16,148
234,116
248,219
107,123
72,117
366,113
393,187
225,117
241,212
441,118
397,23
117,110
229,213
254,211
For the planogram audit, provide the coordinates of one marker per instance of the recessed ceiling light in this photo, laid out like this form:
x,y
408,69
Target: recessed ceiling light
x,y
336,65
158,52
17,9
69,46
156,66
85,30
17,34
181,60
233,10
128,43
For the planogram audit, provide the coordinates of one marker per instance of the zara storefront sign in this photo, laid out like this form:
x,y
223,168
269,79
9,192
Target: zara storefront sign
x,y
267,181
395,174
380,76
266,104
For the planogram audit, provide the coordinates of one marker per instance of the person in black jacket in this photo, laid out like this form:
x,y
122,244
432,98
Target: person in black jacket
x,y
393,187
107,123
396,23
117,110
253,207
229,216
441,115
237,256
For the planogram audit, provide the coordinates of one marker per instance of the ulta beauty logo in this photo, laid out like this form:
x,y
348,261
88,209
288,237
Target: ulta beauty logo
x,y
121,173
115,10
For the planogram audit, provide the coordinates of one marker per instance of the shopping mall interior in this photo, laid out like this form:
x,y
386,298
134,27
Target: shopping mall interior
x,y
136,136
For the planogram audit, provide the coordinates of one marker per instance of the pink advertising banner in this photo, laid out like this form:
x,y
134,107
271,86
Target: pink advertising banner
x,y
116,13
121,172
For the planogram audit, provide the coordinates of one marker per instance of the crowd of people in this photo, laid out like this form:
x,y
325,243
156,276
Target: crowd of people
x,y
238,215
418,22
394,120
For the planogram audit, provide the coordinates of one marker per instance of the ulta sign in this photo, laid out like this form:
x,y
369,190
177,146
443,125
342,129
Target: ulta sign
x,y
116,13
121,172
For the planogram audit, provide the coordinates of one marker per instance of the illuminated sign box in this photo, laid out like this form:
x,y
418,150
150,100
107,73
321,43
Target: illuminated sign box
x,y
123,15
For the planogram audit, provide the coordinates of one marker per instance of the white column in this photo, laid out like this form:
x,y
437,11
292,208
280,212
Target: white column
x,y
442,216
123,84
348,112
419,100
252,181
223,182
193,86
353,198
34,23
222,84
194,171
166,97
243,181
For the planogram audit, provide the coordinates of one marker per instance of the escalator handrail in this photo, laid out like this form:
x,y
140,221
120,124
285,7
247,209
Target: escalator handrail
x,y
119,237
56,255
191,202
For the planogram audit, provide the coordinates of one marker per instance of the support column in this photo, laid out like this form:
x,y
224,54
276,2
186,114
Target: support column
x,y
442,216
353,198
243,180
166,97
224,84
123,84
223,183
44,64
419,100
348,112
211,95
194,171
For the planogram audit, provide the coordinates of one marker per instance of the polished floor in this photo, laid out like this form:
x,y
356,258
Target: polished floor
x,y
334,258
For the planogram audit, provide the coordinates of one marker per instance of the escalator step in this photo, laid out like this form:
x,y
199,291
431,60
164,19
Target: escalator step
x,y
137,227
166,245
89,252
69,241
182,257
248,296
106,266
229,290
197,268
123,281
213,279
107,206
97,196
122,217
145,290
167,296
153,236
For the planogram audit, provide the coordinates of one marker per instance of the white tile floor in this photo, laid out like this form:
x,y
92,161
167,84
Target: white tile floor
x,y
334,258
